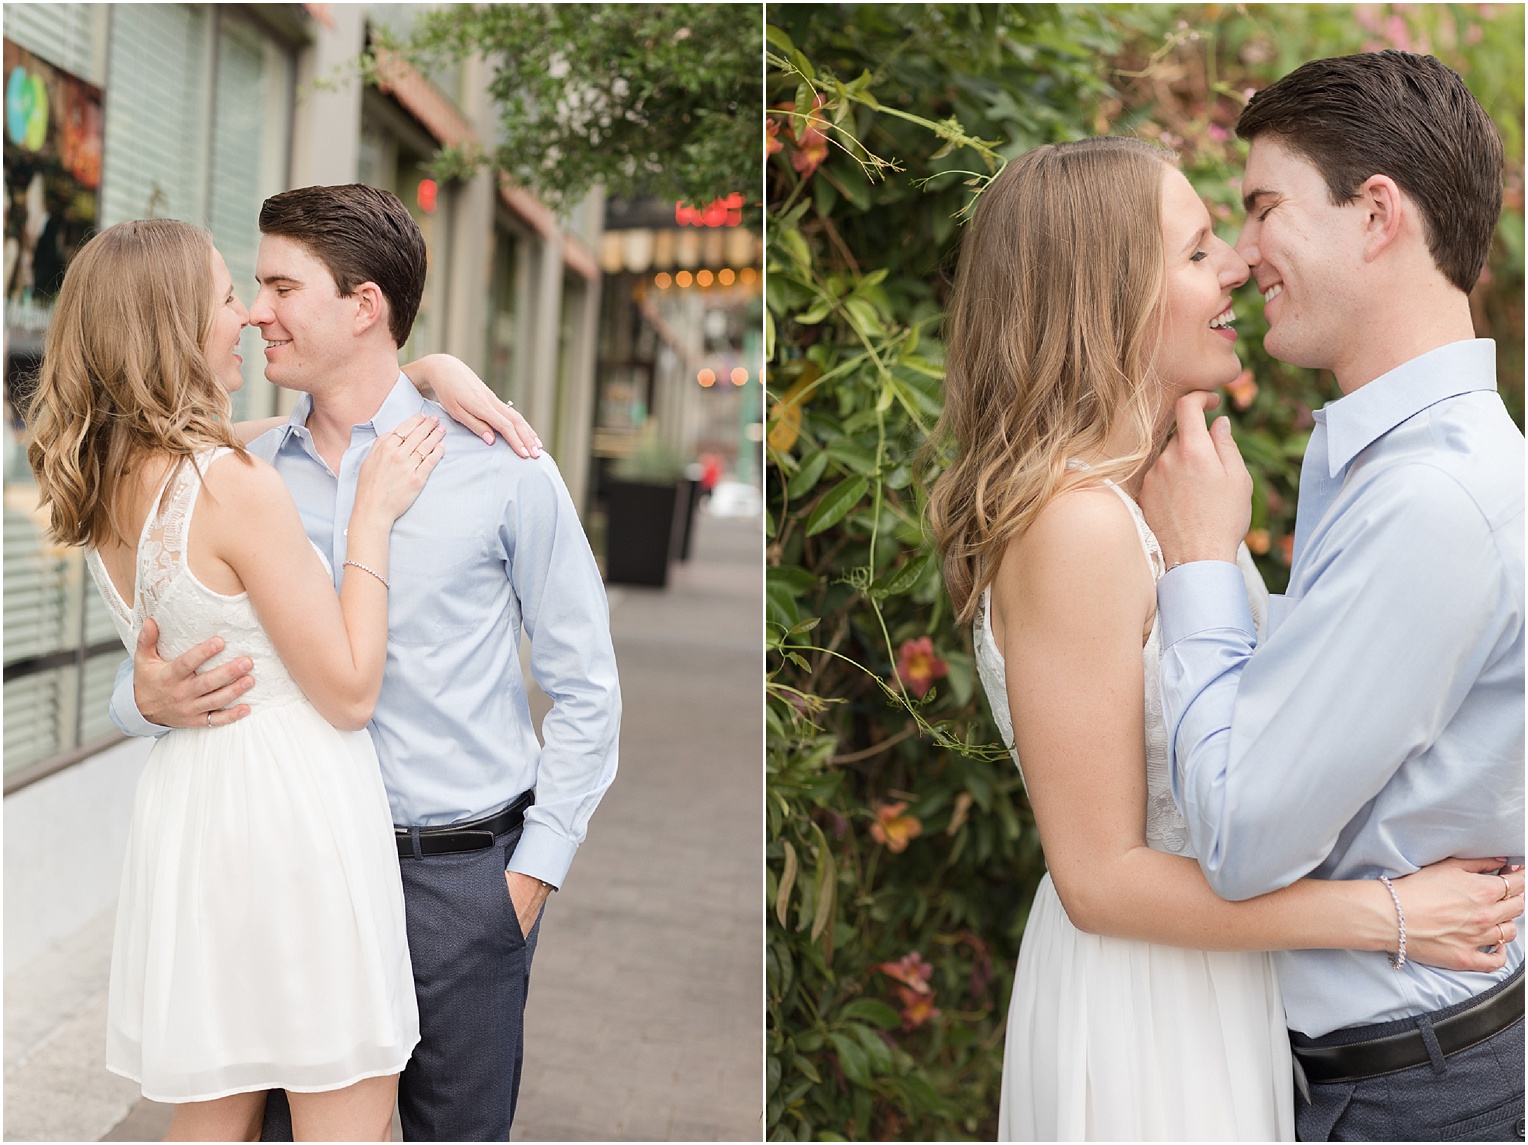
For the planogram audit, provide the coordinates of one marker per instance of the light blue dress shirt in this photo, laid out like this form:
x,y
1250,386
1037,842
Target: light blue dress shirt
x,y
492,543
1379,725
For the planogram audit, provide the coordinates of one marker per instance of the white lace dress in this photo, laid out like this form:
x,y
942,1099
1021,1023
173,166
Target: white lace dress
x,y
1112,1039
260,932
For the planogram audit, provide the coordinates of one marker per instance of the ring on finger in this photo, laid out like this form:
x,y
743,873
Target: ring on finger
x,y
209,719
1501,939
399,436
1506,888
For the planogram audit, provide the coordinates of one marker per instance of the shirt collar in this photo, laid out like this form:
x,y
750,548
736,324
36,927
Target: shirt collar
x,y
1357,420
401,401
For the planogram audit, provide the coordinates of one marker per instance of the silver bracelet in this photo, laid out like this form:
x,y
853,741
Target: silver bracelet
x,y
1398,959
373,572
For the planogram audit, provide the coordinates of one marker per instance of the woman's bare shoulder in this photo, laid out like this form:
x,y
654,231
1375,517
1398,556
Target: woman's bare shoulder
x,y
1078,567
1080,526
243,484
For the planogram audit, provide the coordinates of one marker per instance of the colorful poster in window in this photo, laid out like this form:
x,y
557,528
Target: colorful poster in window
x,y
52,180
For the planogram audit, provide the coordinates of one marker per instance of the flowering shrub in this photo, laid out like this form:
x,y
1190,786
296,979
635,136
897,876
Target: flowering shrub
x,y
901,855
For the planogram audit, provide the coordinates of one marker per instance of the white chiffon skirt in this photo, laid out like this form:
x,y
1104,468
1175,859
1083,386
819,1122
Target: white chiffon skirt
x,y
1110,1039
260,935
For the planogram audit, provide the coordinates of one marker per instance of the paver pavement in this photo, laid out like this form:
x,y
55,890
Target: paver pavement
x,y
645,1019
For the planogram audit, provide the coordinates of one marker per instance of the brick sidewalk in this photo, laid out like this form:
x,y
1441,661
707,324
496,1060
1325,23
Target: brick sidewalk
x,y
645,1019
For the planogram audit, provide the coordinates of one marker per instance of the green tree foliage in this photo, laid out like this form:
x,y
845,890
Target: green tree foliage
x,y
646,99
901,853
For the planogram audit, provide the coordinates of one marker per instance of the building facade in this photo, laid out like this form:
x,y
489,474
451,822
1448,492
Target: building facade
x,y
199,112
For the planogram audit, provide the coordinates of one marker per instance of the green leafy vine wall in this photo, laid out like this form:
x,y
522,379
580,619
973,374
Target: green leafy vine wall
x,y
901,852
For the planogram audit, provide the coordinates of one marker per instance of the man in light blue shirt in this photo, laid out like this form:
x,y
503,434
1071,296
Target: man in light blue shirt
x,y
1378,726
487,820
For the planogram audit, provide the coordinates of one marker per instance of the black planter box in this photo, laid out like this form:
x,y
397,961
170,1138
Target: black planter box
x,y
689,500
640,531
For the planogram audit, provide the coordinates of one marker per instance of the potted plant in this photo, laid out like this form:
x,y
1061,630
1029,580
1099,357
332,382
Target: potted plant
x,y
644,513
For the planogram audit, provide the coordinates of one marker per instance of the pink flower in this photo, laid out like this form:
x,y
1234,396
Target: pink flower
x,y
911,970
916,1008
912,973
1242,390
918,667
894,830
811,144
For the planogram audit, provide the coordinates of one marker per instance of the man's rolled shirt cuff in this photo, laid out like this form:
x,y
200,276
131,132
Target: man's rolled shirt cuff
x,y
123,709
542,854
1201,596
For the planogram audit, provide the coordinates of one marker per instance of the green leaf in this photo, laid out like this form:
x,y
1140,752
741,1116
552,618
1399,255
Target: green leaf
x,y
794,580
815,313
780,605
795,245
806,100
805,479
805,1067
778,38
835,503
827,890
862,314
911,574
876,1050
851,1059
857,191
787,882
855,456
872,1010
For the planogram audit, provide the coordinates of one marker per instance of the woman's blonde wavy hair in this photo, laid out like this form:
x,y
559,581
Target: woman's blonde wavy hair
x,y
124,374
1050,335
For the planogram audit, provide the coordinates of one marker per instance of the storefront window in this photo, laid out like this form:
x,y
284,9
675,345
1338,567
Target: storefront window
x,y
193,126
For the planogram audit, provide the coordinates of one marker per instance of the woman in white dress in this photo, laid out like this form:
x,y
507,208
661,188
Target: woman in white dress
x,y
1091,294
260,933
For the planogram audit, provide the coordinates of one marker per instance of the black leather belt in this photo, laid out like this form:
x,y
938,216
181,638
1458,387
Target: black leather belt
x,y
474,835
1395,1052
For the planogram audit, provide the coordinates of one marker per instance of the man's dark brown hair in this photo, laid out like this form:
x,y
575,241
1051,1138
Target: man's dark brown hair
x,y
360,234
1402,115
